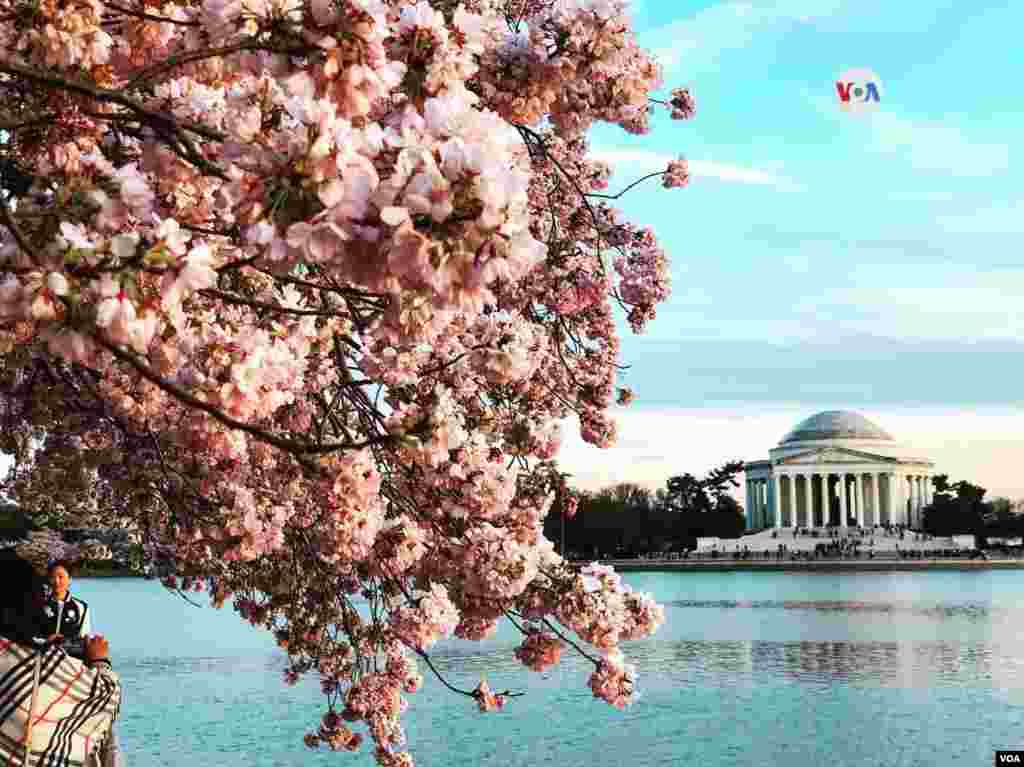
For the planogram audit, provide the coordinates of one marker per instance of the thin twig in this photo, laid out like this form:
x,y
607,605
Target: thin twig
x,y
151,17
635,183
568,641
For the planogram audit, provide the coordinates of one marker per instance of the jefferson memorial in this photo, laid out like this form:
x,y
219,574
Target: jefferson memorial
x,y
837,469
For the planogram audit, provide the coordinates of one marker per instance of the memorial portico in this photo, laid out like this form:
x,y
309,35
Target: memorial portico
x,y
837,469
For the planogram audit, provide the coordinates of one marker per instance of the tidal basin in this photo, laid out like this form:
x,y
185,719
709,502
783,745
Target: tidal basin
x,y
751,668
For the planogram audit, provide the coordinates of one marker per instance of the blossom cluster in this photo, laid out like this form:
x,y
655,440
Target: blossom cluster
x,y
304,292
540,650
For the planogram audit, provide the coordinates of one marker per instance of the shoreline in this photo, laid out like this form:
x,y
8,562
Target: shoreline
x,y
839,565
85,572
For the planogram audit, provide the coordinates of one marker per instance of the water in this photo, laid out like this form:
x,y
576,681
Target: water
x,y
802,670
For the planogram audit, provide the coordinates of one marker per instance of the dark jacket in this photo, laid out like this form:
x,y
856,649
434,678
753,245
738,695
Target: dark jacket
x,y
68,618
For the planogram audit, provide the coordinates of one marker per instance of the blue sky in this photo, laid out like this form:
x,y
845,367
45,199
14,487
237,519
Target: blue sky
x,y
825,260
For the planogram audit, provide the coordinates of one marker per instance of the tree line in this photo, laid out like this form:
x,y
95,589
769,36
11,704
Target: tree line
x,y
629,520
960,508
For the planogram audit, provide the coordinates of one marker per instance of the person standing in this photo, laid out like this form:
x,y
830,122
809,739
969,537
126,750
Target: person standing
x,y
55,711
66,617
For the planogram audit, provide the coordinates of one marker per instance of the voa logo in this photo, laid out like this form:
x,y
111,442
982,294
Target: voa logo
x,y
1008,759
859,90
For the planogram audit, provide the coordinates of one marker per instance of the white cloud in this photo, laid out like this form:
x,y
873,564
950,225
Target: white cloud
x,y
641,161
926,301
983,446
734,173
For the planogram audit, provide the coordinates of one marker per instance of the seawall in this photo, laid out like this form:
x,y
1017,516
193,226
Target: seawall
x,y
821,565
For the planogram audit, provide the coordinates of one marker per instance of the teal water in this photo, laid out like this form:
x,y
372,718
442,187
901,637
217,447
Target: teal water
x,y
801,670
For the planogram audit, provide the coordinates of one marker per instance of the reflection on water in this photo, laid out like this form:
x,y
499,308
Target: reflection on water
x,y
878,663
995,659
749,669
977,611
900,664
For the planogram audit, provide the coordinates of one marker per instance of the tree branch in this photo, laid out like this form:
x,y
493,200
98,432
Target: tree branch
x,y
54,80
294,447
6,220
241,301
208,53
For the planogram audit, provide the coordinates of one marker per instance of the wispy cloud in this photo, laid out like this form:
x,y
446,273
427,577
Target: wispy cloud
x,y
931,145
642,161
1000,218
920,144
698,42
943,302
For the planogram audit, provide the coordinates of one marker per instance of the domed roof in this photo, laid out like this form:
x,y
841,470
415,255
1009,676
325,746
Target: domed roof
x,y
835,424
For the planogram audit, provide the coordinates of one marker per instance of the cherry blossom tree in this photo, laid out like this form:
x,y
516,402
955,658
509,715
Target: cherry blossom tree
x,y
302,290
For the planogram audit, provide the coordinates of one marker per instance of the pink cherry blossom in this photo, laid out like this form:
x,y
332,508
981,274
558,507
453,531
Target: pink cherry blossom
x,y
313,289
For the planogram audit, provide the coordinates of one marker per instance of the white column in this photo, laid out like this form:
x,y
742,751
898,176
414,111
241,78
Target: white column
x,y
748,509
900,504
876,478
915,494
761,491
904,491
791,502
841,486
854,501
859,493
809,495
827,494
757,502
765,502
750,504
920,497
894,497
910,500
777,500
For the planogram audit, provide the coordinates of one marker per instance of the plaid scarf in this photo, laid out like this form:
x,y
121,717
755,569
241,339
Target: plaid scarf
x,y
74,706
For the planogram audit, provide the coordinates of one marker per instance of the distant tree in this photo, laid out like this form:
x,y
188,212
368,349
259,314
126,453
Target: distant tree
x,y
705,505
1001,507
956,509
1003,519
628,519
728,521
686,494
630,495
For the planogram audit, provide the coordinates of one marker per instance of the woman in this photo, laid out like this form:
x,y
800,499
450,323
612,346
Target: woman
x,y
54,710
66,617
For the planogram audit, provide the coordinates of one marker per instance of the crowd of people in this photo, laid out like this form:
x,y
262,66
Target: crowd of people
x,y
59,695
883,541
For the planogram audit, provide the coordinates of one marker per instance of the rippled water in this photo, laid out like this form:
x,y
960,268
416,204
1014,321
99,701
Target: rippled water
x,y
750,669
